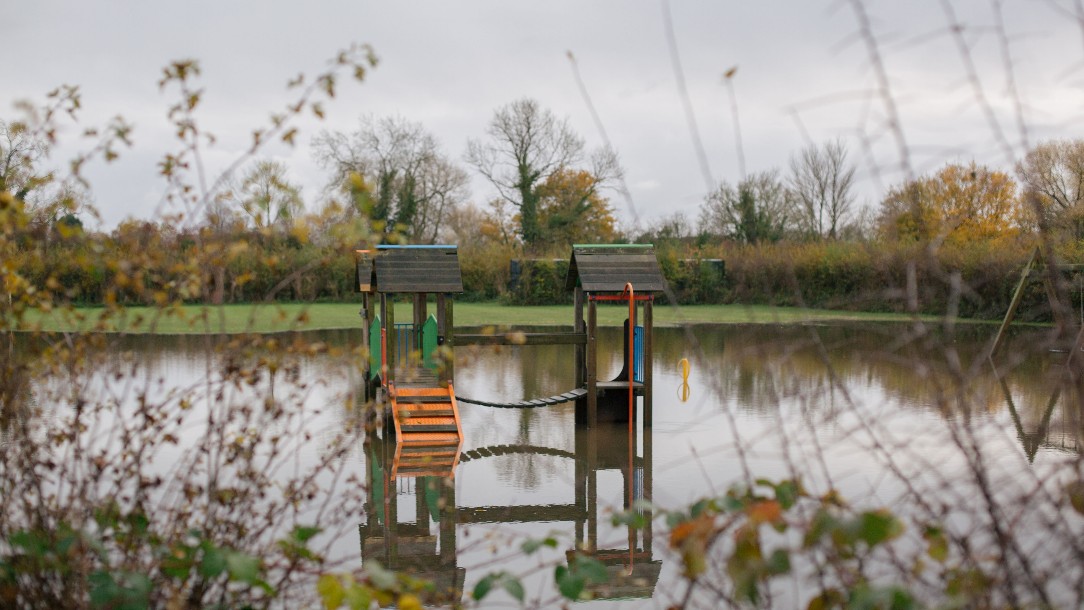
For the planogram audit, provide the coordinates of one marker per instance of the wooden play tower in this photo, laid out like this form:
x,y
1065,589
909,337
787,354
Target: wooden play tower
x,y
603,274
405,359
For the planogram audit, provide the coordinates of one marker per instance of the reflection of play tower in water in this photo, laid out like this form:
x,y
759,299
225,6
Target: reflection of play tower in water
x,y
426,546
632,569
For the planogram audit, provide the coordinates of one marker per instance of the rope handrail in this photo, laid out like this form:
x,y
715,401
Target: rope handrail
x,y
528,404
492,450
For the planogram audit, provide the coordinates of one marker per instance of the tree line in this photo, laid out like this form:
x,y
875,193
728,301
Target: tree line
x,y
547,190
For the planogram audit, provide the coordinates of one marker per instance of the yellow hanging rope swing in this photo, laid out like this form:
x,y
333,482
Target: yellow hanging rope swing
x,y
684,391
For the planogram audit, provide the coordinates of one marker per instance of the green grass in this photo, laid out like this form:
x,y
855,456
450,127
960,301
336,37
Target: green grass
x,y
196,319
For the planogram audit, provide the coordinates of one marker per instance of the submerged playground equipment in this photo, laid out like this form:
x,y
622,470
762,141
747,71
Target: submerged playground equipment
x,y
411,364
411,372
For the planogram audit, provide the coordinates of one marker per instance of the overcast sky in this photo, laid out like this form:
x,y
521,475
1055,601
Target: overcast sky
x,y
804,75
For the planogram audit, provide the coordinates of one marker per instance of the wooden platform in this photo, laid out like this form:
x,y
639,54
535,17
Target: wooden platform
x,y
603,387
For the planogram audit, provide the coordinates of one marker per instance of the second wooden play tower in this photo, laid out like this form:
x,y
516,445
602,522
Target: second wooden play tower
x,y
601,274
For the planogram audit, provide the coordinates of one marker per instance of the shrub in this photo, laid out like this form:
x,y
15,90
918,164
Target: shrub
x,y
485,270
539,282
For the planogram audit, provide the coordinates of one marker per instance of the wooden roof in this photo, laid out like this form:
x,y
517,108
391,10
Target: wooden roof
x,y
417,269
606,268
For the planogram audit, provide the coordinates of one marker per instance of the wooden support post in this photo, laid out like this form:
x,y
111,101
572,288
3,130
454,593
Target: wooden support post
x,y
390,516
447,522
420,309
648,462
416,332
592,486
579,327
369,507
387,312
442,324
592,365
421,508
366,320
449,340
647,356
579,484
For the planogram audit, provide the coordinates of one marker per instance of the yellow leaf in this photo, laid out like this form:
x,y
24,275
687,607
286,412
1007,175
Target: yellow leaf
x,y
331,591
766,511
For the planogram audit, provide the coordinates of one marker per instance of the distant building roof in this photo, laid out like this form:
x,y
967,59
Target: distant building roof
x,y
417,269
607,267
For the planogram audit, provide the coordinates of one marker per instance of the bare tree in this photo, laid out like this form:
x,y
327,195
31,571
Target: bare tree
x,y
527,144
417,185
47,198
822,180
759,208
19,152
673,228
1052,175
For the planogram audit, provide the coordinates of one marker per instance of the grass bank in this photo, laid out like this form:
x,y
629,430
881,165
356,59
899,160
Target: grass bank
x,y
279,317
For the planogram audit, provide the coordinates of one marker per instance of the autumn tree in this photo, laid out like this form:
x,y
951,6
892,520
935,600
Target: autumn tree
x,y
760,208
958,203
267,196
1052,179
822,181
415,185
499,222
526,145
571,209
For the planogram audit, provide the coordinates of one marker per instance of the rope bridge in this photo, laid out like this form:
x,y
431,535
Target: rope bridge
x,y
529,404
492,450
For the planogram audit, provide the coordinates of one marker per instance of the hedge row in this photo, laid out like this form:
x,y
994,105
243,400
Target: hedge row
x,y
977,280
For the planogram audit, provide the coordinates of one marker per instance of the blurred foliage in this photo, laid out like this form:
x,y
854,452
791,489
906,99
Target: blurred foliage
x,y
120,493
92,518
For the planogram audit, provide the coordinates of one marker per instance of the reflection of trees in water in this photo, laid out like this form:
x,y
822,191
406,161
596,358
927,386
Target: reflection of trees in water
x,y
750,366
127,371
754,367
521,373
15,393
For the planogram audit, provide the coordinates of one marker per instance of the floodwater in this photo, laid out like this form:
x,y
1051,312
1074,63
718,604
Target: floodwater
x,y
873,411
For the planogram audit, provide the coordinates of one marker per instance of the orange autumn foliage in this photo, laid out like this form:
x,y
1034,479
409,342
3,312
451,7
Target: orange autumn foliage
x,y
958,204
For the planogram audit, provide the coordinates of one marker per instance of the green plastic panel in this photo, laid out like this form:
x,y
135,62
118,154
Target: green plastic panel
x,y
374,348
429,342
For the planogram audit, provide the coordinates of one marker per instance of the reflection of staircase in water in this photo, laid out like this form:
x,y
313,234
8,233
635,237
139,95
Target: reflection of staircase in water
x,y
427,430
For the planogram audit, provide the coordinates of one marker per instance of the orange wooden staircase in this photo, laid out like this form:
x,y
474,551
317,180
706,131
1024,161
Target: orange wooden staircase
x,y
427,429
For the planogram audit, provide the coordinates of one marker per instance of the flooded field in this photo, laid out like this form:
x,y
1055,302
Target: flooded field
x,y
871,411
